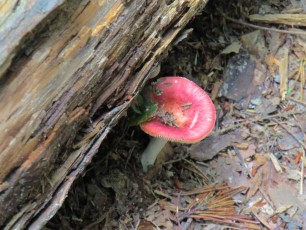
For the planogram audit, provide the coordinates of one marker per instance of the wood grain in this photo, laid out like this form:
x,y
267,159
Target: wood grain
x,y
71,62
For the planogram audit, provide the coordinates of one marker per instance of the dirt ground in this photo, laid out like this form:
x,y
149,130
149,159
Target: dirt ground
x,y
250,56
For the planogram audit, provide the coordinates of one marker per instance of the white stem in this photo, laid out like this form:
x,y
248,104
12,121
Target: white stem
x,y
151,152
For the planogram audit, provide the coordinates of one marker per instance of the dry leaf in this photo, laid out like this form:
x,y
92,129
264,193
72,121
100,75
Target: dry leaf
x,y
232,48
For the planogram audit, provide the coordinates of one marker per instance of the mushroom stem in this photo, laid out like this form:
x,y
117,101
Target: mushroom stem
x,y
150,154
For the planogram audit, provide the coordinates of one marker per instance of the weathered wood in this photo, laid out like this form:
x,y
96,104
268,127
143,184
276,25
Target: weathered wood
x,y
17,20
77,61
283,19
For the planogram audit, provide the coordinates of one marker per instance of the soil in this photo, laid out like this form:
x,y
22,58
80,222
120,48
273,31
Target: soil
x,y
231,179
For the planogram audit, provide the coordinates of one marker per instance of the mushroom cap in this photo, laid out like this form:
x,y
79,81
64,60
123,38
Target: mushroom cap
x,y
185,112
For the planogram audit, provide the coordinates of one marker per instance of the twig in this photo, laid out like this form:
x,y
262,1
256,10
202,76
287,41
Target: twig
x,y
297,101
99,220
175,160
177,210
291,133
303,157
131,151
262,27
158,228
302,173
275,162
252,120
161,193
262,220
208,180
250,175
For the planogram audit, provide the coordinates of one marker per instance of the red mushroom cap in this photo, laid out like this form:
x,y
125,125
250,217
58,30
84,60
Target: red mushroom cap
x,y
185,112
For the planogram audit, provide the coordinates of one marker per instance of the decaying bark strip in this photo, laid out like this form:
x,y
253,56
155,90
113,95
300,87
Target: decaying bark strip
x,y
85,62
16,22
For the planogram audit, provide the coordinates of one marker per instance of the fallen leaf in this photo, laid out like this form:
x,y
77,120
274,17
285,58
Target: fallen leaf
x,y
288,142
254,43
212,145
146,225
238,78
232,48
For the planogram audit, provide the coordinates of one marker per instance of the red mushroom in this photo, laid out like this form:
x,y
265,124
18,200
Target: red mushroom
x,y
185,114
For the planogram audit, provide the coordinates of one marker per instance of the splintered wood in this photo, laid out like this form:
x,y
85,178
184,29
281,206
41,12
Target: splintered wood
x,y
64,66
284,19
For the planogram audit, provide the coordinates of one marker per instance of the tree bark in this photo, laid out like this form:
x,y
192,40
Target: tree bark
x,y
69,68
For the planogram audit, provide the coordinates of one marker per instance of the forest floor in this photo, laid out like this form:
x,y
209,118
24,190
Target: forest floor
x,y
249,173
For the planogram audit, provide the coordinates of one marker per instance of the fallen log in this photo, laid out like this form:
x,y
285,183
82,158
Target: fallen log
x,y
66,66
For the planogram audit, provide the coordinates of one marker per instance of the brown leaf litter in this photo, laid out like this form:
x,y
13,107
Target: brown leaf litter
x,y
249,174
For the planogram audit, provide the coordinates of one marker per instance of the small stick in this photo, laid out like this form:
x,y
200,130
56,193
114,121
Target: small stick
x,y
297,101
175,160
291,133
262,27
250,175
199,171
302,174
161,193
303,157
251,120
275,162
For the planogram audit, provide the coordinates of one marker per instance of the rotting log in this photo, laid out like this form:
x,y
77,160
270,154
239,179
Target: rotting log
x,y
63,64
